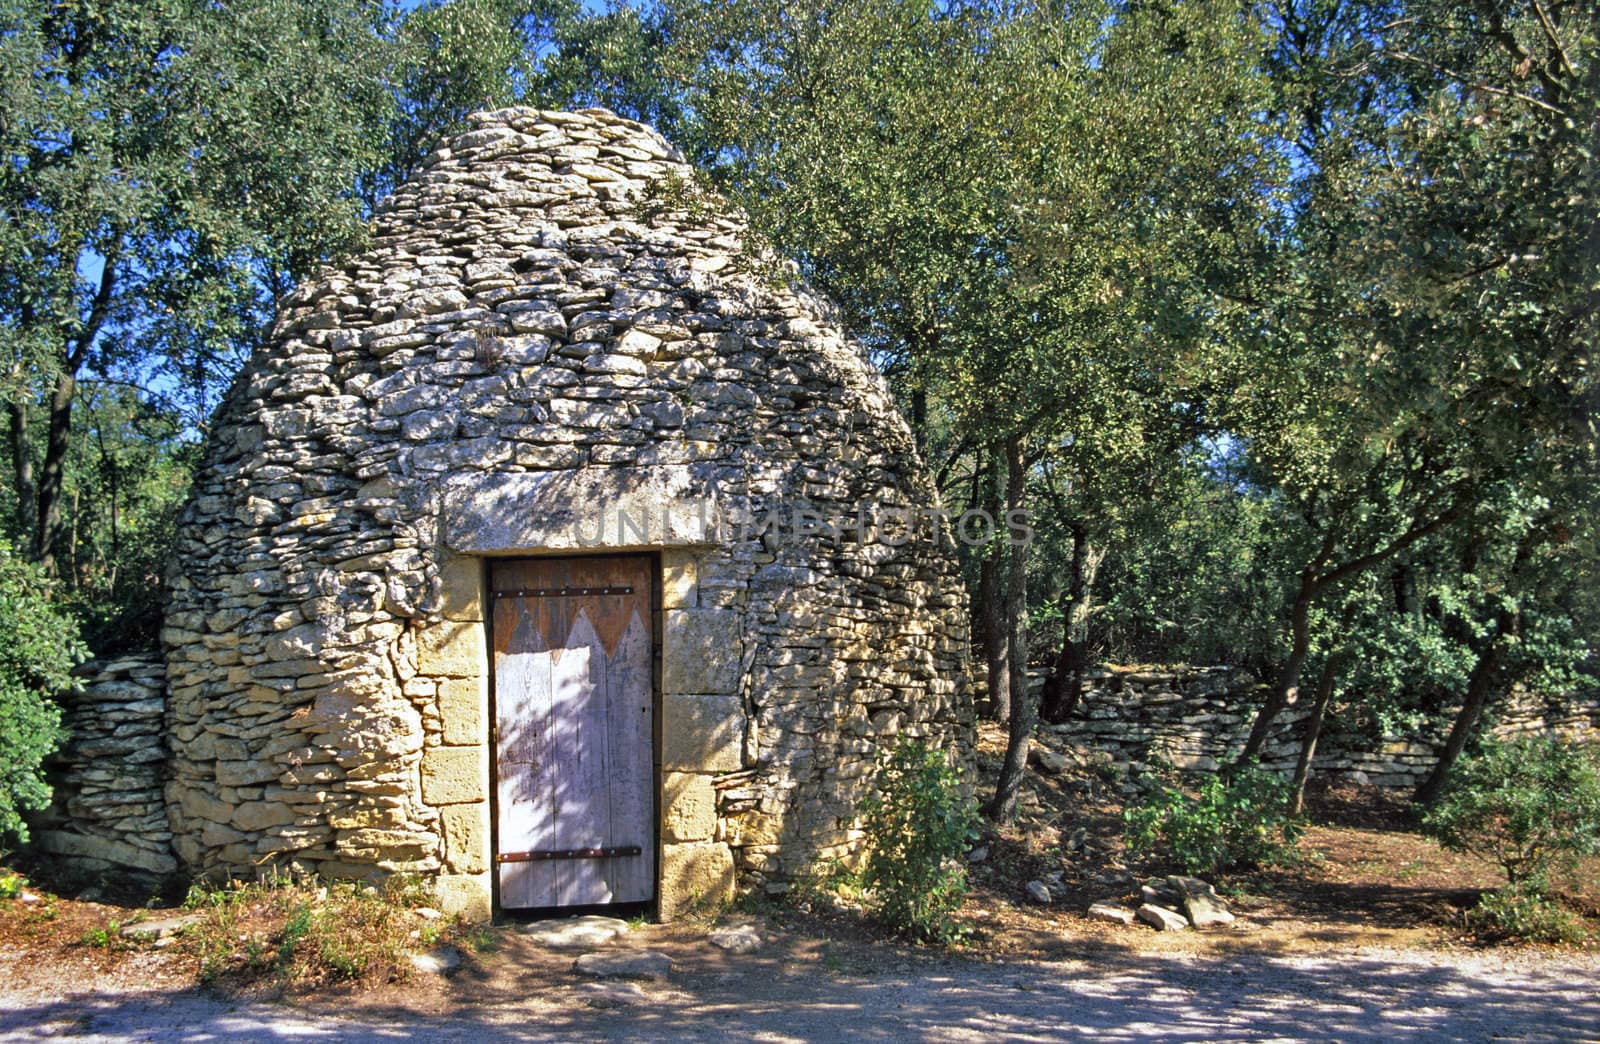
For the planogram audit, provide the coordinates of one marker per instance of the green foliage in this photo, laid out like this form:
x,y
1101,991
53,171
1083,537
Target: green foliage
x,y
1525,913
919,826
11,885
1226,824
1529,805
39,646
101,938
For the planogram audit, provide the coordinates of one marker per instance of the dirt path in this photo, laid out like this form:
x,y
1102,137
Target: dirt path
x,y
1357,995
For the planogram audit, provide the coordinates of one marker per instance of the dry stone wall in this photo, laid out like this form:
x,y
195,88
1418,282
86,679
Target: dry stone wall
x,y
108,808
554,343
1197,719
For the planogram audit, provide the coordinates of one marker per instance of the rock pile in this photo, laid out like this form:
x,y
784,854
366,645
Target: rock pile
x,y
1162,899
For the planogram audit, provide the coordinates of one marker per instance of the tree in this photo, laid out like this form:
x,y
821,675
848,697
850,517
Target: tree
x,y
1019,207
1426,336
169,168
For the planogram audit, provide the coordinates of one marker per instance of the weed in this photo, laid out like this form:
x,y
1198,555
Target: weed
x,y
306,931
101,938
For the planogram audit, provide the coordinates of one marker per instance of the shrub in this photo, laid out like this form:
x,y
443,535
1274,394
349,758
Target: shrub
x,y
1229,823
919,826
1529,805
39,646
1525,912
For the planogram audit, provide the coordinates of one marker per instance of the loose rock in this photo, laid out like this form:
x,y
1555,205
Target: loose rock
x,y
160,929
439,961
1162,919
1201,903
739,938
1110,912
1038,892
1048,761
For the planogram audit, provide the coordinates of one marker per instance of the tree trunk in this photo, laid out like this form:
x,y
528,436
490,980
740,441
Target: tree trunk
x,y
1024,711
1064,686
52,474
22,462
1289,676
991,611
1485,672
1479,685
1308,742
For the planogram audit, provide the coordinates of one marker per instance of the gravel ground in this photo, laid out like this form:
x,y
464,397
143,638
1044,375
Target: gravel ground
x,y
1356,995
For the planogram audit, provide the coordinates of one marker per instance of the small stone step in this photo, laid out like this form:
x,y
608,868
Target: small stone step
x,y
624,964
575,932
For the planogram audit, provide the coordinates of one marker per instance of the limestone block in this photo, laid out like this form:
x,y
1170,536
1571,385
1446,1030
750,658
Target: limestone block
x,y
466,837
462,706
701,651
464,895
679,589
699,873
452,648
461,588
254,816
454,775
701,733
755,828
688,807
63,843
597,507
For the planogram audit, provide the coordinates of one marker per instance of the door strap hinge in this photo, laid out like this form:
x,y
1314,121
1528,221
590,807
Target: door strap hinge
x,y
543,854
562,592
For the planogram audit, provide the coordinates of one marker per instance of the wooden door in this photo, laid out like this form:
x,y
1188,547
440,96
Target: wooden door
x,y
574,738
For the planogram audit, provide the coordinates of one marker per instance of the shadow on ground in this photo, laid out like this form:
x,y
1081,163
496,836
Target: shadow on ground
x,y
1357,996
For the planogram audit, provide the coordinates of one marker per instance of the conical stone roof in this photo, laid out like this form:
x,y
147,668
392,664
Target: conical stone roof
x,y
550,319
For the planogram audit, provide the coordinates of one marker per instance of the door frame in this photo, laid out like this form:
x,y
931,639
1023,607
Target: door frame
x,y
652,560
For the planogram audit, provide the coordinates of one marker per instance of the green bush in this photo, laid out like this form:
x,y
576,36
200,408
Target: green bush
x,y
39,646
1525,912
919,826
1530,805
1229,823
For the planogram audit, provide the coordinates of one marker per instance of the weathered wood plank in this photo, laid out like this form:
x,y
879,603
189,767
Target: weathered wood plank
x,y
585,812
574,705
628,715
522,680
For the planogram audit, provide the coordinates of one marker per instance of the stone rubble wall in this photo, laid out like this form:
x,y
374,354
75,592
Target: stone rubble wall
x,y
1197,719
108,808
549,304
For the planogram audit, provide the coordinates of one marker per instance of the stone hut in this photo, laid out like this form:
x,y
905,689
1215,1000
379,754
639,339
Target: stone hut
x,y
560,548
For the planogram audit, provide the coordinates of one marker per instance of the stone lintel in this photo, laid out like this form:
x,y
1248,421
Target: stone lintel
x,y
577,509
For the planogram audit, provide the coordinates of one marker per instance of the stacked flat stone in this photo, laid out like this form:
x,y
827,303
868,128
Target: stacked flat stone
x,y
549,295
108,807
1197,719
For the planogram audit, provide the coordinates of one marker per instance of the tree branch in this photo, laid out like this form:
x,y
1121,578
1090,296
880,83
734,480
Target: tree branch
x,y
97,311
